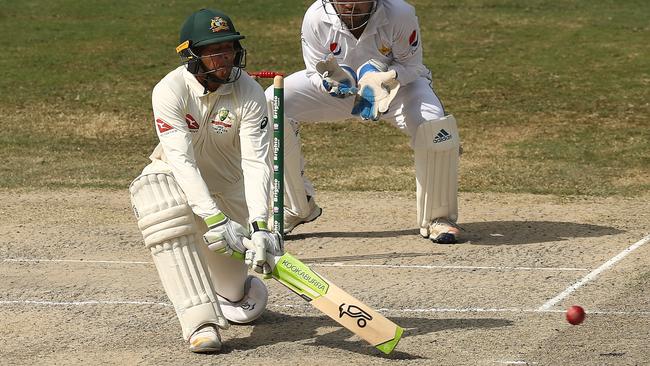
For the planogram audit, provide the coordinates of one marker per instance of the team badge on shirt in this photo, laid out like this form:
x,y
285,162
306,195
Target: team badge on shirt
x,y
222,122
191,123
385,50
163,126
217,24
335,48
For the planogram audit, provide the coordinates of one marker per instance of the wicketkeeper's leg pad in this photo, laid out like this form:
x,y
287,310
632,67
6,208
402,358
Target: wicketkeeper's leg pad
x,y
169,231
295,190
251,306
436,168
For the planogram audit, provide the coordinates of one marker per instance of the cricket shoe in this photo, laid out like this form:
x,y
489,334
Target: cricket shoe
x,y
441,231
206,339
291,219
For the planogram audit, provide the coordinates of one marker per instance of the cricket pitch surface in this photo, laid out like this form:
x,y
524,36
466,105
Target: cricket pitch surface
x,y
79,288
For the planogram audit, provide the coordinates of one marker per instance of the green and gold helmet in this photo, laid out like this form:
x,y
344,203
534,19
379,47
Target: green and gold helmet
x,y
205,27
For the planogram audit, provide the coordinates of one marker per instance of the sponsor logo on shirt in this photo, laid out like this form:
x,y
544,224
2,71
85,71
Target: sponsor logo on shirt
x,y
223,120
191,123
162,126
335,48
217,24
414,39
265,121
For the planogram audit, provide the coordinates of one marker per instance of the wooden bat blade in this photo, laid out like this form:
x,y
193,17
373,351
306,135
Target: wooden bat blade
x,y
351,313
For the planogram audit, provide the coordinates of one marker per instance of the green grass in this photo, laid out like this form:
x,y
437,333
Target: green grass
x,y
551,96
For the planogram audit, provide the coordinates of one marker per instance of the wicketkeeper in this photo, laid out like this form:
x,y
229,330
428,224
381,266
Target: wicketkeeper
x,y
207,186
363,59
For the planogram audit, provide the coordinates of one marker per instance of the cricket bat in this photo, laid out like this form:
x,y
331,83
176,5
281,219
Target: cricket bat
x,y
299,278
351,313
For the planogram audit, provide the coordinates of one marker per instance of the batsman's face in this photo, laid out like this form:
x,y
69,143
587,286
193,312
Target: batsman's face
x,y
353,12
218,58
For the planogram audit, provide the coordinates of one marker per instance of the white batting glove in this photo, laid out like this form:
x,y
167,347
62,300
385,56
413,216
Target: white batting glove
x,y
377,88
264,245
225,236
338,80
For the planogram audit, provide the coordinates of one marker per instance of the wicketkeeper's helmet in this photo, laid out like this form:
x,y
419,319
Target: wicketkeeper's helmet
x,y
205,27
348,3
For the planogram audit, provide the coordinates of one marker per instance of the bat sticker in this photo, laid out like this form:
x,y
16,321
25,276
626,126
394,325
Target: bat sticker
x,y
354,311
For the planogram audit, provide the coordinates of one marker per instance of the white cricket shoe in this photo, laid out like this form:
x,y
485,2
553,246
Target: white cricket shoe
x,y
205,339
291,219
441,231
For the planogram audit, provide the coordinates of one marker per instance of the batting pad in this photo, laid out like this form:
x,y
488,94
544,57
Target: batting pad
x,y
295,195
169,231
436,170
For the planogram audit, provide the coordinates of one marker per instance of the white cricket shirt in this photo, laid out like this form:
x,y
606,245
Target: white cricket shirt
x,y
214,141
392,36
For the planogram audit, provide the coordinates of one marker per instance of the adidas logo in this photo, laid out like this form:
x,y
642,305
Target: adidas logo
x,y
442,136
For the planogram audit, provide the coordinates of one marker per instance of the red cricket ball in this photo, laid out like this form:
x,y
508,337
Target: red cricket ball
x,y
575,315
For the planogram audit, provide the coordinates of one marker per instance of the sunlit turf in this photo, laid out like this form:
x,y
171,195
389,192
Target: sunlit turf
x,y
551,96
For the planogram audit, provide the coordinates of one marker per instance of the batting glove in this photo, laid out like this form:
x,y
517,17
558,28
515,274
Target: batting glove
x,y
225,236
338,80
377,88
264,244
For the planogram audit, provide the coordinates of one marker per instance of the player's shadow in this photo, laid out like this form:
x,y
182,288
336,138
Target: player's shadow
x,y
489,232
529,232
274,327
353,234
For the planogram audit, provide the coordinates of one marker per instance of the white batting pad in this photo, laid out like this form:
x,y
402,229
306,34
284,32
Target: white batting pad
x,y
295,194
169,231
436,170
250,307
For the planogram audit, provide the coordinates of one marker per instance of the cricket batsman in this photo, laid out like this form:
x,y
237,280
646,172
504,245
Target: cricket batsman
x,y
363,59
208,184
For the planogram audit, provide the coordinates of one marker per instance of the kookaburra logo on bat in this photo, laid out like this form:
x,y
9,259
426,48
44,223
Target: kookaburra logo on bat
x,y
354,311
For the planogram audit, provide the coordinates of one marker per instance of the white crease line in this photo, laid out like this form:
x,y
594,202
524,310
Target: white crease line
x,y
448,267
28,260
593,274
71,261
81,303
306,306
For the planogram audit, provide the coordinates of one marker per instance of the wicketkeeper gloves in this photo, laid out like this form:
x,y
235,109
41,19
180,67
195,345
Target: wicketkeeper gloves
x,y
338,80
377,88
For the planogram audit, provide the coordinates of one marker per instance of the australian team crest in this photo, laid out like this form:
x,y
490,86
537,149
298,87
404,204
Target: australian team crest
x,y
222,121
217,24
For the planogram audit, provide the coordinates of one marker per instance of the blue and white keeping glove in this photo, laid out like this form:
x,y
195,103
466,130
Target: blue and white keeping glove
x,y
338,80
377,88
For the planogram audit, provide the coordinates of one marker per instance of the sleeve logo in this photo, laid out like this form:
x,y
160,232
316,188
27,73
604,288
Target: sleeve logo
x,y
414,39
335,48
162,126
191,123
